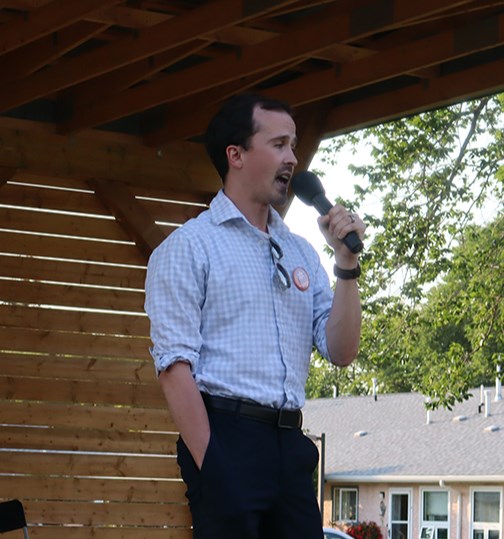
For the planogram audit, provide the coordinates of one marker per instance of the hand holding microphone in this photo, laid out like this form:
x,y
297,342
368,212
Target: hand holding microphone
x,y
308,188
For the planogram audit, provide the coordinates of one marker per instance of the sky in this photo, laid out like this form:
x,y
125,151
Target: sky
x,y
337,181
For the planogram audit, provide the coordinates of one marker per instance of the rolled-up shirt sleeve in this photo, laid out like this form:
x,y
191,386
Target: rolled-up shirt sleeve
x,y
322,301
174,296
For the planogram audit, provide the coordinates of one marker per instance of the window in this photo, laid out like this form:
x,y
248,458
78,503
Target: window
x,y
435,518
345,504
486,513
400,514
427,532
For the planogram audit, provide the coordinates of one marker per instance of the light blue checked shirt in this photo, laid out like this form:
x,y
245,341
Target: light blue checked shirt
x,y
212,301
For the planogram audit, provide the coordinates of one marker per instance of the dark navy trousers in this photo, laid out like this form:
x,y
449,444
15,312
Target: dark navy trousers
x,y
256,482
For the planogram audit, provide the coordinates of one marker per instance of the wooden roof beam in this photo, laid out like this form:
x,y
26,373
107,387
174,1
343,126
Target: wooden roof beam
x,y
470,83
121,79
317,33
25,60
209,17
127,17
46,20
185,113
179,167
416,57
407,58
313,34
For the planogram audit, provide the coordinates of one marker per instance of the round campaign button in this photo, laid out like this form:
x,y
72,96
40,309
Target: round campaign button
x,y
301,278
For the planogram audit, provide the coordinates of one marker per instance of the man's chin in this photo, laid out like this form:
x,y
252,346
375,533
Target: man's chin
x,y
280,200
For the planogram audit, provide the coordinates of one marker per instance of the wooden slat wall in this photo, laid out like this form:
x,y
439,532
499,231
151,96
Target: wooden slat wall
x,y
85,438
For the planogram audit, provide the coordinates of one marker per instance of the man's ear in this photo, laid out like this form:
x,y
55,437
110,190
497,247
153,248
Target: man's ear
x,y
234,155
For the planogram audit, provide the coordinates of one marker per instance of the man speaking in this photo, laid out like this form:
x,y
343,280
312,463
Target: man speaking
x,y
236,303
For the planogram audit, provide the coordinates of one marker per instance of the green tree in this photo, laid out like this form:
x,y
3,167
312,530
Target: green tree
x,y
430,172
463,319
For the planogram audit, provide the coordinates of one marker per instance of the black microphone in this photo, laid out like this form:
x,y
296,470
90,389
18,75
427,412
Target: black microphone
x,y
309,189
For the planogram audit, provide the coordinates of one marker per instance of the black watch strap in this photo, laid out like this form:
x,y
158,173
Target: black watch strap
x,y
347,274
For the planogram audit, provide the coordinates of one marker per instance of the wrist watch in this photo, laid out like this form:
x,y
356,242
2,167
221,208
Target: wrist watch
x,y
347,274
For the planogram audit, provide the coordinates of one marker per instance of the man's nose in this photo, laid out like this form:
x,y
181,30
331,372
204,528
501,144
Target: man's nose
x,y
291,158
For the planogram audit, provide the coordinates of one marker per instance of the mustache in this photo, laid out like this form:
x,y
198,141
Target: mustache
x,y
285,170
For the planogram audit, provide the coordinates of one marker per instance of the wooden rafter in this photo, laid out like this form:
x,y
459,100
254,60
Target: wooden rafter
x,y
316,33
46,20
25,61
184,115
402,60
151,74
405,59
210,17
320,84
469,84
112,83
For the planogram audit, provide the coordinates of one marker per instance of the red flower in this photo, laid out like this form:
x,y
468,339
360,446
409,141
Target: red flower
x,y
365,530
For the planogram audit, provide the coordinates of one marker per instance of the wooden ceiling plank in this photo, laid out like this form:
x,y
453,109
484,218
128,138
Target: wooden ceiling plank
x,y
23,4
121,79
128,17
318,32
405,59
440,92
209,17
25,60
184,119
391,63
314,34
435,9
46,20
130,214
178,168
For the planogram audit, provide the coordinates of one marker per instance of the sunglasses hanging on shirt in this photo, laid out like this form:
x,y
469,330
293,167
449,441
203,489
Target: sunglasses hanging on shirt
x,y
281,276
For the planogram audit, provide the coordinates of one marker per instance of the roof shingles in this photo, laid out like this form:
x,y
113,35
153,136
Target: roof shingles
x,y
399,442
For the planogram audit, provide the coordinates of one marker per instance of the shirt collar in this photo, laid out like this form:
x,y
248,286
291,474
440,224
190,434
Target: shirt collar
x,y
222,209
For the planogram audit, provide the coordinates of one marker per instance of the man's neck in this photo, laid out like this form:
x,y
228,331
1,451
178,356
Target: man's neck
x,y
257,214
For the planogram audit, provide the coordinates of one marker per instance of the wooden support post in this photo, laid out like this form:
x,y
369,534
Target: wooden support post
x,y
132,216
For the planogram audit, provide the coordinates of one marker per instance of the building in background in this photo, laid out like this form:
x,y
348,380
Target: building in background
x,y
417,474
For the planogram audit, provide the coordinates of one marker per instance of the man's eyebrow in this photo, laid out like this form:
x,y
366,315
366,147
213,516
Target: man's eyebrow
x,y
286,138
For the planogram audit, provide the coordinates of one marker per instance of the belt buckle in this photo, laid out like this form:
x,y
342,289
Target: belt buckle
x,y
286,425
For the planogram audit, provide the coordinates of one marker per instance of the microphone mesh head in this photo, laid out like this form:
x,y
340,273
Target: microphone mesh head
x,y
306,186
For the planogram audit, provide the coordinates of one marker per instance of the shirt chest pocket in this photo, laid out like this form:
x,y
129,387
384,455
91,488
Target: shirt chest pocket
x,y
241,283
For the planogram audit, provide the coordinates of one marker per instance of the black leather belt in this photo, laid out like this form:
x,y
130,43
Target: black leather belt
x,y
286,419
